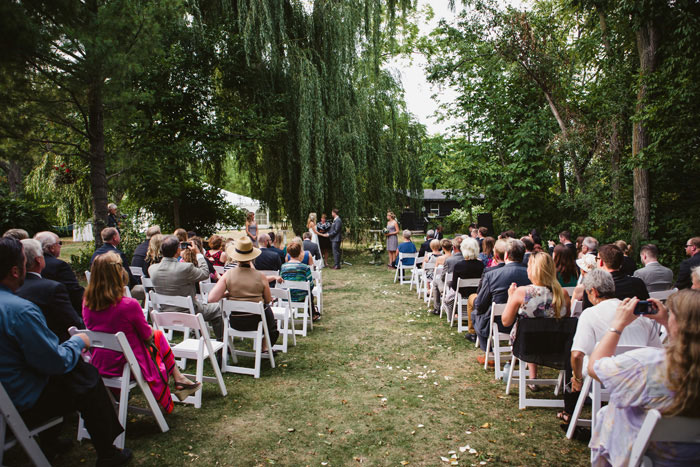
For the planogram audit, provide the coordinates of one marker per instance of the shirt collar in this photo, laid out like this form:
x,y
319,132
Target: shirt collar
x,y
35,273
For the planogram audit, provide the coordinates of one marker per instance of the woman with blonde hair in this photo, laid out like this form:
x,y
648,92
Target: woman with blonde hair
x,y
392,238
666,379
251,228
544,298
105,309
311,225
153,255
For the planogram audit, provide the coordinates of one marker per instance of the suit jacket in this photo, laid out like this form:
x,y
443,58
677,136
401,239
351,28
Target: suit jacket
x,y
107,247
495,284
268,260
60,271
52,299
425,248
655,276
171,277
312,248
452,261
336,232
139,258
684,281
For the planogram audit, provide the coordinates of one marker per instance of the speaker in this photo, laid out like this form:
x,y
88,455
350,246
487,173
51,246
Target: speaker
x,y
486,220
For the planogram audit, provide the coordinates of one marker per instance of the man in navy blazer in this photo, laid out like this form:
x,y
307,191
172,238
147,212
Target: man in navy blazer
x,y
494,288
336,237
692,249
58,270
111,238
50,296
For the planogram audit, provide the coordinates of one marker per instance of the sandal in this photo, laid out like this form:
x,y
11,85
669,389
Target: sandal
x,y
185,390
533,387
564,417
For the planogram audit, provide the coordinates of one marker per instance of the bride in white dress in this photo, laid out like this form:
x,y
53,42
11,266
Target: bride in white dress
x,y
311,224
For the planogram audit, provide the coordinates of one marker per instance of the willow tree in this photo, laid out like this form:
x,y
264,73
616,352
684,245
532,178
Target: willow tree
x,y
345,137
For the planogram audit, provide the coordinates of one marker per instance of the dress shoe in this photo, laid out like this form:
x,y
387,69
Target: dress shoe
x,y
115,459
336,267
470,337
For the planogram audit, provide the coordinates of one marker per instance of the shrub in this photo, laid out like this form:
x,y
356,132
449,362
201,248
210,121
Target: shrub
x,y
22,214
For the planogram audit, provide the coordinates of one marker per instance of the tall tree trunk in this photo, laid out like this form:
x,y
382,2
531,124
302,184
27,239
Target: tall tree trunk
x,y
14,176
176,213
615,157
647,47
98,171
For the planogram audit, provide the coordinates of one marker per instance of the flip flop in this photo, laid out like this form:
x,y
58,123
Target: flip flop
x,y
185,390
564,417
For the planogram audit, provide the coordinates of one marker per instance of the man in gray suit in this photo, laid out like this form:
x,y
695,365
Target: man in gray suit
x,y
171,277
336,237
655,276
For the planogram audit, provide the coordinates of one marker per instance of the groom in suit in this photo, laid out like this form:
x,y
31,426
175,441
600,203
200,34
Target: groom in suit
x,y
336,237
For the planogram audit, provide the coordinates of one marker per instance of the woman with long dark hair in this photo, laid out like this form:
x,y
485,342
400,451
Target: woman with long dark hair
x,y
564,260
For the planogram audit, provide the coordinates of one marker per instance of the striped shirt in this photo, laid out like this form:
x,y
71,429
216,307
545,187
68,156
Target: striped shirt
x,y
297,272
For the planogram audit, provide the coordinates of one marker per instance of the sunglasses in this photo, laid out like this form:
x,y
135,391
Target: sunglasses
x,y
58,243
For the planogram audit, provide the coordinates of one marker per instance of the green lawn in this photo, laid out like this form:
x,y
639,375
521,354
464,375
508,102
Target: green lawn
x,y
378,382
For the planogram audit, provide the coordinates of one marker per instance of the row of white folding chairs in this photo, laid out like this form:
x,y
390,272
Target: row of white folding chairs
x,y
460,303
404,272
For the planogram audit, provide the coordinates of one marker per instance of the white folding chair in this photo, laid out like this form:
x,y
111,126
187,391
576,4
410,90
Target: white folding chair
x,y
569,290
220,270
283,313
445,286
270,272
252,308
22,434
127,292
401,268
147,288
157,302
196,349
662,295
461,303
593,389
204,288
87,276
431,296
118,343
423,285
659,429
136,271
494,347
576,308
416,273
318,289
523,375
300,310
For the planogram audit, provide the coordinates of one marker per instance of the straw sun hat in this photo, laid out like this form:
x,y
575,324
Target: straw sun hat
x,y
242,250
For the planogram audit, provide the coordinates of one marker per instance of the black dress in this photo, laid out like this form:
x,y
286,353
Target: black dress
x,y
323,241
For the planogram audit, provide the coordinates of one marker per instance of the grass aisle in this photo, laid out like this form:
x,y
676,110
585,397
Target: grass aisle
x,y
378,382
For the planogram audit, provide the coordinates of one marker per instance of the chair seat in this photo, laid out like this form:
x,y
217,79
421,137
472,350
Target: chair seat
x,y
116,382
189,347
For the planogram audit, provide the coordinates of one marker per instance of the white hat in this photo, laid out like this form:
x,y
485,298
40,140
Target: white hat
x,y
587,262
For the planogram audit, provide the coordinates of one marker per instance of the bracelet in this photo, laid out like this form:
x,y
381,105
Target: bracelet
x,y
619,333
578,380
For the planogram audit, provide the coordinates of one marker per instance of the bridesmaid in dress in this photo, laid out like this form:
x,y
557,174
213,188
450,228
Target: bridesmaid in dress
x,y
392,239
251,228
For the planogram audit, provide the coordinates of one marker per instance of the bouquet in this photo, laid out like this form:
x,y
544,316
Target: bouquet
x,y
377,249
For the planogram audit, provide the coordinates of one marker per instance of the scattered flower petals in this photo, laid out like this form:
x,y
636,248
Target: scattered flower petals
x,y
421,425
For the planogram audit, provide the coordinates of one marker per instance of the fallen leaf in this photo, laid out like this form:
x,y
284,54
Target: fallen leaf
x,y
485,425
404,462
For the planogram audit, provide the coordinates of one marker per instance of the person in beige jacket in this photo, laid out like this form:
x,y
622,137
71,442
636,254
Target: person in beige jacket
x,y
171,277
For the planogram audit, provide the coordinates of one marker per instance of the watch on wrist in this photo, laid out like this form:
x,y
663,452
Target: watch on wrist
x,y
619,333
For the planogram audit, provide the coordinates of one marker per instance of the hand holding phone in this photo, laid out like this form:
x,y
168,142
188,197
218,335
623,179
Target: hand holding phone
x,y
645,307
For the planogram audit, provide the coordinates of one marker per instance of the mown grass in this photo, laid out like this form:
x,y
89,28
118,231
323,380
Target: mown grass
x,y
378,382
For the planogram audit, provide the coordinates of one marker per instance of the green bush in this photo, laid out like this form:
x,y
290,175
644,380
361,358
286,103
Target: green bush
x,y
22,214
81,262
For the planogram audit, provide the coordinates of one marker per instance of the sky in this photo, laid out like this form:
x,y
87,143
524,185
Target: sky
x,y
418,91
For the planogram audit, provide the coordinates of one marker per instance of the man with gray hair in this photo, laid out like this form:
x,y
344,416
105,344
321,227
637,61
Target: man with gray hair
x,y
425,246
595,322
58,270
589,246
50,296
19,234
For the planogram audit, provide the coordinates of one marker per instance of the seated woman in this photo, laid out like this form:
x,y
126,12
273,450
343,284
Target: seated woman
x,y
296,270
215,254
406,246
666,379
306,258
486,256
439,279
468,268
435,253
564,261
244,283
544,298
153,255
105,309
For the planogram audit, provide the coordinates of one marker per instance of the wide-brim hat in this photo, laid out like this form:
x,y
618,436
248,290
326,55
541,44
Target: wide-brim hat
x,y
242,250
587,263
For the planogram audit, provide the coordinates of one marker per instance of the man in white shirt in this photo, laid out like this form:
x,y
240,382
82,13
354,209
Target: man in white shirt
x,y
595,322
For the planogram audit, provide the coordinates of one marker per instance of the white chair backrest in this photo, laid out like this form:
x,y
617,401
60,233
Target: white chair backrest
x,y
205,287
136,271
318,278
219,269
448,279
657,428
175,320
269,272
576,308
662,295
419,261
569,290
229,306
127,292
497,309
467,283
87,276
281,294
295,285
403,256
172,300
147,282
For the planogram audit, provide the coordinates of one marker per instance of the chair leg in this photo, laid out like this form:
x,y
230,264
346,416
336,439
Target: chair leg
x,y
217,372
496,356
199,377
573,422
522,377
596,403
510,374
258,351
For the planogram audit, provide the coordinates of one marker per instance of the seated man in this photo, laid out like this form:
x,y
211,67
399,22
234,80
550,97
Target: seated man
x,y
50,296
406,246
655,276
494,289
425,246
58,270
692,249
171,277
499,253
268,260
111,238
45,379
610,258
595,322
311,247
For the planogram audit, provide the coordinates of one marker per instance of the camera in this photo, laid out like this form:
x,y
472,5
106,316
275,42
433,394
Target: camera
x,y
184,245
645,307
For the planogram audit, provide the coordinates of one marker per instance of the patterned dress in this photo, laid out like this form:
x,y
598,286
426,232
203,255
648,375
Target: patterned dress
x,y
537,303
637,382
392,241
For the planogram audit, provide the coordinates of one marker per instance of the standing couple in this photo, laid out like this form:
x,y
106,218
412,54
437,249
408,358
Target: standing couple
x,y
327,235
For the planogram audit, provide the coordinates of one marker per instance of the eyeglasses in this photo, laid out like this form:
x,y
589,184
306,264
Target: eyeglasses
x,y
688,246
58,243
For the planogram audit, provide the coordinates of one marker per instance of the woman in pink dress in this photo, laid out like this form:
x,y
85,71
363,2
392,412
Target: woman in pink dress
x,y
105,309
